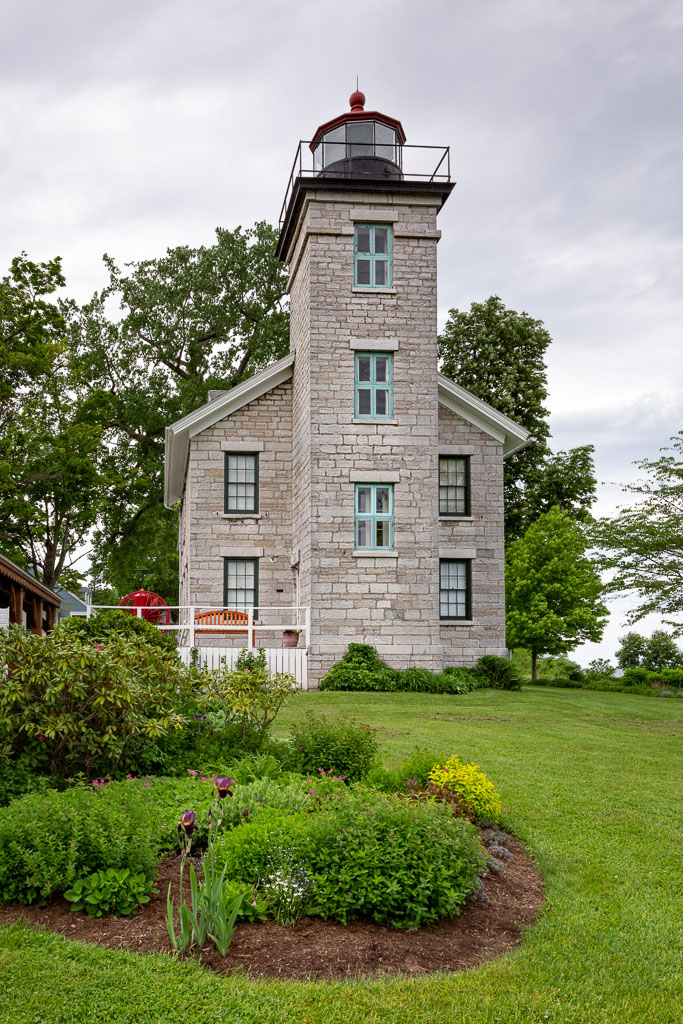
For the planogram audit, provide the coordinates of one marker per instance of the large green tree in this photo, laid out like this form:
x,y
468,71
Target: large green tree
x,y
189,321
51,480
552,589
31,326
642,546
499,355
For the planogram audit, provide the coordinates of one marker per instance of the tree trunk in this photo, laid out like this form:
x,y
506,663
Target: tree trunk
x,y
533,664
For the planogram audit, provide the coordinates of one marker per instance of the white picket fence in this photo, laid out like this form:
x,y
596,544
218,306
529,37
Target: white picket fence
x,y
279,659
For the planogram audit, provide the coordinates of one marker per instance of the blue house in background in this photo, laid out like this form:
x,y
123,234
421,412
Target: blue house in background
x,y
71,604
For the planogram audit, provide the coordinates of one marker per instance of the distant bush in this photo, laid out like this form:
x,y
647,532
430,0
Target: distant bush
x,y
669,677
362,669
502,674
656,652
339,747
558,681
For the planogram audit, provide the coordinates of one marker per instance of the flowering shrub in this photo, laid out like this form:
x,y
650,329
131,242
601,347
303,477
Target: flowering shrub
x,y
340,747
81,707
468,782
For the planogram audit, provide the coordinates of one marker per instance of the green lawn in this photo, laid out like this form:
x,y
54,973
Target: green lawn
x,y
590,781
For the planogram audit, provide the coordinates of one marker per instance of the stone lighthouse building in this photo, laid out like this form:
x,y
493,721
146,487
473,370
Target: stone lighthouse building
x,y
350,480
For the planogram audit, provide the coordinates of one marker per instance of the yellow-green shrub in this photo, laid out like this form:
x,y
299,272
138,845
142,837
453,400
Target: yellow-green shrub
x,y
470,783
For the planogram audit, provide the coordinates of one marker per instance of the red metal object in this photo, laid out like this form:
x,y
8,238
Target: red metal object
x,y
358,113
154,608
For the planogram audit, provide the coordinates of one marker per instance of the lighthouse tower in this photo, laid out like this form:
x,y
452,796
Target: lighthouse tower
x,y
359,233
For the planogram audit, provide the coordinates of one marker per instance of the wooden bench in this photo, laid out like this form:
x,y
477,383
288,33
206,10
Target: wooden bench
x,y
231,623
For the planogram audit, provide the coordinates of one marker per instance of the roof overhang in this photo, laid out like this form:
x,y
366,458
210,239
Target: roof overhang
x,y
482,415
11,571
180,433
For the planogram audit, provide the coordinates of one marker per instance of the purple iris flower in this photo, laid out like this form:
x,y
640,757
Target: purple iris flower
x,y
187,822
223,785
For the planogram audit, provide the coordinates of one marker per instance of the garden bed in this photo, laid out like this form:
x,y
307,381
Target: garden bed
x,y
486,928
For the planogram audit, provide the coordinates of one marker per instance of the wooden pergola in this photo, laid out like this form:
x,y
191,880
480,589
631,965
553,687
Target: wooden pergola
x,y
29,602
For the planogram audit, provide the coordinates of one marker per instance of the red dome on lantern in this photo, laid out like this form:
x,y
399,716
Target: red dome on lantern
x,y
359,113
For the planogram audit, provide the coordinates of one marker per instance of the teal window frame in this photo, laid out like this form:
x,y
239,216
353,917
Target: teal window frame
x,y
373,517
373,257
462,578
241,606
373,386
448,488
233,484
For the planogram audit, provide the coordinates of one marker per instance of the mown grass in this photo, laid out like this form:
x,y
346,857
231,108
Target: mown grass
x,y
590,781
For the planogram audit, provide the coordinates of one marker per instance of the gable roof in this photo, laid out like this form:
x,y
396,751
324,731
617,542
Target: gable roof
x,y
179,434
480,414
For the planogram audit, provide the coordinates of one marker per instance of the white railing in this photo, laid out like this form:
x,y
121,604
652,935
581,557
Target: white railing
x,y
279,659
296,617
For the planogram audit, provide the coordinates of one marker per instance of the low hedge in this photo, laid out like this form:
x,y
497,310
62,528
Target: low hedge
x,y
362,669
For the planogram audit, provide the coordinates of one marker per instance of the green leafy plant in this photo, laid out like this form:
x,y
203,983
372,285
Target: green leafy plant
x,y
501,673
49,840
249,694
340,747
417,768
110,891
403,862
111,622
360,669
212,911
86,706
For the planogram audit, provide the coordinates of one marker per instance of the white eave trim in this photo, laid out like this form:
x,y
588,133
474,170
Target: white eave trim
x,y
482,415
179,434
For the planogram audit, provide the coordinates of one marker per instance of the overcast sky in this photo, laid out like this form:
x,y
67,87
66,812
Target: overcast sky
x,y
130,127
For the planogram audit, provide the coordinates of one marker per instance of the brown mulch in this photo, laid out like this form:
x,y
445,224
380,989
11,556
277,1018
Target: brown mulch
x,y
487,927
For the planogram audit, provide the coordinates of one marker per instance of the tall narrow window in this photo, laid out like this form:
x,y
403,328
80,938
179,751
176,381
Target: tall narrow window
x,y
374,385
240,584
241,482
454,485
372,256
455,588
374,516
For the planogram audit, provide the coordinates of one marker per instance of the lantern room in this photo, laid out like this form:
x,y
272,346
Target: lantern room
x,y
359,144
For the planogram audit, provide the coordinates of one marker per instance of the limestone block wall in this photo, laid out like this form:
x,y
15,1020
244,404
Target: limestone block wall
x,y
480,536
389,600
265,425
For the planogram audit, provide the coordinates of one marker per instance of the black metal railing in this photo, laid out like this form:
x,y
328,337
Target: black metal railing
x,y
411,163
